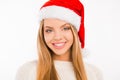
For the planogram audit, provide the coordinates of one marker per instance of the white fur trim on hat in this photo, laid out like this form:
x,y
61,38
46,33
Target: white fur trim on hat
x,y
60,13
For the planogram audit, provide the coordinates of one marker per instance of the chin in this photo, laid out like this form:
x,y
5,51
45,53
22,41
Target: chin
x,y
60,52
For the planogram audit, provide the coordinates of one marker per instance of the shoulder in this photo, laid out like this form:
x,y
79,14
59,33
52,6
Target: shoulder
x,y
93,72
27,71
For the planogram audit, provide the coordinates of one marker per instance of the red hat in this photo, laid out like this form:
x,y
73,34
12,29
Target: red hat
x,y
71,11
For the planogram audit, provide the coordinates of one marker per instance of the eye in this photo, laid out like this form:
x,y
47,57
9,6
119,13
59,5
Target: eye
x,y
66,28
48,30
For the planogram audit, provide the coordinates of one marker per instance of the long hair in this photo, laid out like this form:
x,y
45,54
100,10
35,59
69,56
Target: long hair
x,y
46,69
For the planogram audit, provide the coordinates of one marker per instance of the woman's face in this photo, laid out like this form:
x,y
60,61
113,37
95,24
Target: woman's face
x,y
58,37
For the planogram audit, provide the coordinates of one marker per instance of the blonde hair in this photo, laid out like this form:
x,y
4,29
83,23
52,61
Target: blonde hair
x,y
46,69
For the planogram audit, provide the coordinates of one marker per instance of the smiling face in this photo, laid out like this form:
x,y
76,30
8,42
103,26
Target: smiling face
x,y
58,37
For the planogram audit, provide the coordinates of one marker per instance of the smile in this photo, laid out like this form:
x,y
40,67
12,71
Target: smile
x,y
59,45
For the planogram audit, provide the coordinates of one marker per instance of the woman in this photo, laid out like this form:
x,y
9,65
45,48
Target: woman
x,y
60,40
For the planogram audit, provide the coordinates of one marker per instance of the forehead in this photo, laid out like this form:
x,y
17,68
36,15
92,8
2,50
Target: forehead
x,y
54,22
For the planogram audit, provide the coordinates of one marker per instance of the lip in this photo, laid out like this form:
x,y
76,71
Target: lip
x,y
59,45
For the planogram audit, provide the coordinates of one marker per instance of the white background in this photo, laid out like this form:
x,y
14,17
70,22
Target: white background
x,y
18,33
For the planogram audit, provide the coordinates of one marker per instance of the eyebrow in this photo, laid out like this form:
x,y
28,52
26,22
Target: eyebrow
x,y
65,24
60,27
48,27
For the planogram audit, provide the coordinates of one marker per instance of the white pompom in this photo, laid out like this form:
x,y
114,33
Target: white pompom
x,y
85,52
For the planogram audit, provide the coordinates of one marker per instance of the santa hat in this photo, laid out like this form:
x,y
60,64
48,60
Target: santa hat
x,y
71,11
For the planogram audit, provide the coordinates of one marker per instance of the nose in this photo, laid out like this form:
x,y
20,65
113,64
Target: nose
x,y
58,35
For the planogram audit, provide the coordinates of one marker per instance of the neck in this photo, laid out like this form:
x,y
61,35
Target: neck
x,y
61,58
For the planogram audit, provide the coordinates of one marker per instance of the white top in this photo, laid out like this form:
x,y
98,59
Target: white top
x,y
64,70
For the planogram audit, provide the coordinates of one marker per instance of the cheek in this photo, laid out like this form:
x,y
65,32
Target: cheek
x,y
47,38
69,36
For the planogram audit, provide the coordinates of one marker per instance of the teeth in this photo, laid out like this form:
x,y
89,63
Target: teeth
x,y
60,44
